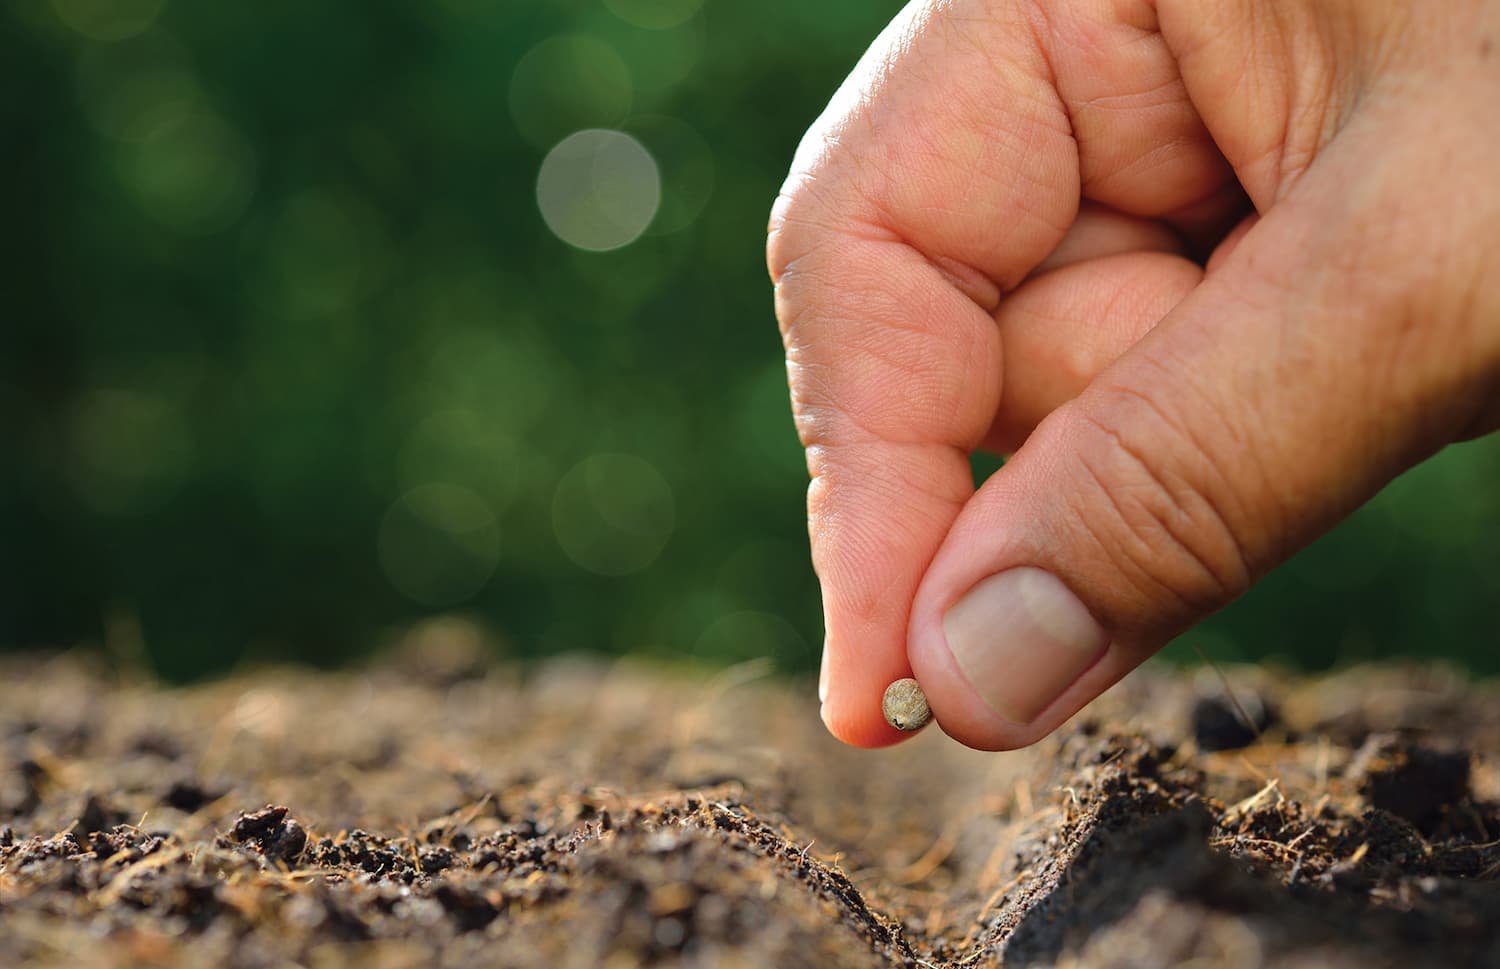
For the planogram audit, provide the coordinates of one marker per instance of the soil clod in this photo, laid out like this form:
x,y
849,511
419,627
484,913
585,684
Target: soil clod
x,y
277,836
1225,722
188,796
1423,786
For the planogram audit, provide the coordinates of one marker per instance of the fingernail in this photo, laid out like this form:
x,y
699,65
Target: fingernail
x,y
823,675
1021,638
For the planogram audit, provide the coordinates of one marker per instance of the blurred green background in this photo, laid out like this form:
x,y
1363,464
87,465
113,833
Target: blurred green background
x,y
306,337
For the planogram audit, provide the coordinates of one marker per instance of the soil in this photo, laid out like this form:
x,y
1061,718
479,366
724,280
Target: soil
x,y
442,812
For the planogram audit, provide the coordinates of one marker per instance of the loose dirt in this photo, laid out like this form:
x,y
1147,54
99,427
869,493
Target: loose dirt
x,y
441,813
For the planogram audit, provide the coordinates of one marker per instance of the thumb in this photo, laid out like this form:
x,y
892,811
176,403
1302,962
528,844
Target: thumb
x,y
1308,370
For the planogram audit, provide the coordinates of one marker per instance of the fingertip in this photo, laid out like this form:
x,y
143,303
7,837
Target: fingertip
x,y
863,653
853,724
861,659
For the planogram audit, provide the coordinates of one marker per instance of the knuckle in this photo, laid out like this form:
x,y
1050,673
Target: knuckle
x,y
867,359
802,217
780,236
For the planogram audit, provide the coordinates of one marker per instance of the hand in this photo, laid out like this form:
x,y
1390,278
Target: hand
x,y
992,239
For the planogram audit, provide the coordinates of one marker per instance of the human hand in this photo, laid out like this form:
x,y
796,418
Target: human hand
x,y
989,239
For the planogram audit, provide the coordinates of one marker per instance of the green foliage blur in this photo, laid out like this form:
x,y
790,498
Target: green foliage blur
x,y
294,352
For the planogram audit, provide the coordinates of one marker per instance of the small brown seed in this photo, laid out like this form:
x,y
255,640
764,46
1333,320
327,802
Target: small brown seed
x,y
905,705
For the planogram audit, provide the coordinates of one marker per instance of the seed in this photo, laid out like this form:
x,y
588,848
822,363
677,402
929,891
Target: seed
x,y
905,705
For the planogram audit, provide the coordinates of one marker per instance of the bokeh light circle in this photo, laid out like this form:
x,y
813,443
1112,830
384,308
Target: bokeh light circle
x,y
127,91
566,83
613,513
598,189
654,14
108,20
127,449
687,169
439,544
660,60
314,256
193,173
456,444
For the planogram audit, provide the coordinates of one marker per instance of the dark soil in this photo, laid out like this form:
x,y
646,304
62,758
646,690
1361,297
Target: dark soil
x,y
583,815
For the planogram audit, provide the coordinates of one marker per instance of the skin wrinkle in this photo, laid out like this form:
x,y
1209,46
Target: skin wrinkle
x,y
823,423
1016,152
876,478
1272,539
886,227
873,471
979,288
1167,510
966,279
1125,561
1013,142
894,488
819,421
1243,41
855,552
1042,29
796,274
1235,569
791,198
826,423
845,544
1111,307
1307,87
1122,287
1144,581
930,396
814,315
874,342
1105,175
1147,161
841,417
1172,90
873,233
792,312
1307,92
987,24
923,396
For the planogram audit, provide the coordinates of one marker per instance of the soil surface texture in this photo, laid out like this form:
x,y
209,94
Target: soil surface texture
x,y
432,810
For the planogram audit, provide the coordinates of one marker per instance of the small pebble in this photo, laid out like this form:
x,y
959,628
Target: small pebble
x,y
905,705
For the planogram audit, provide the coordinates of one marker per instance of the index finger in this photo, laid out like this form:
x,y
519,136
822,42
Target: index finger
x,y
940,174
